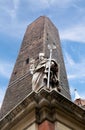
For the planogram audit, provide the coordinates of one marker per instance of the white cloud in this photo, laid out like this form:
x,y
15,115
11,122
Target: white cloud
x,y
2,93
16,3
75,70
69,60
9,8
13,12
9,13
64,4
9,23
74,33
5,69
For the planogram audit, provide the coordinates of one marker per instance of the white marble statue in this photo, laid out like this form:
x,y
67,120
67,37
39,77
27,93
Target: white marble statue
x,y
40,74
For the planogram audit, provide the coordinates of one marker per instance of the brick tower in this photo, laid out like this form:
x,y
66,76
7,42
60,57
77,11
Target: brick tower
x,y
19,98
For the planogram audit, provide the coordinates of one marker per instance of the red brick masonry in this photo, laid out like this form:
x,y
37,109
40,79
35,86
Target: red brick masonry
x,y
46,125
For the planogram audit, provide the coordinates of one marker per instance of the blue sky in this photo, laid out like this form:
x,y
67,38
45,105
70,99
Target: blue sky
x,y
67,15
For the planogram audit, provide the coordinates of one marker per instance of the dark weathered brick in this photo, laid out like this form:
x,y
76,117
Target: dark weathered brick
x,y
38,35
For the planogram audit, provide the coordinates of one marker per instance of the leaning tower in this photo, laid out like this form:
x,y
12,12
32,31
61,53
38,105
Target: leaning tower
x,y
36,111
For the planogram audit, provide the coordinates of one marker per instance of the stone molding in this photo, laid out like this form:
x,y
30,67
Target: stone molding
x,y
47,105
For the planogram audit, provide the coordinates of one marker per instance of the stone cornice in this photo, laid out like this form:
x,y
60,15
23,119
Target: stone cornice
x,y
45,104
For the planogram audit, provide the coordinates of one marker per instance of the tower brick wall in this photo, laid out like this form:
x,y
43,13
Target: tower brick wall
x,y
38,35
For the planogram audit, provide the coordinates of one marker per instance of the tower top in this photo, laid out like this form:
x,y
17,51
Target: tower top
x,y
76,95
38,36
79,100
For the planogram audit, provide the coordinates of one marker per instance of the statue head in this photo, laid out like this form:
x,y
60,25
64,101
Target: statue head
x,y
41,56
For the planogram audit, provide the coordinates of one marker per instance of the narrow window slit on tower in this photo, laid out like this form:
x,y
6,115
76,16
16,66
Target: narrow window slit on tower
x,y
27,61
15,72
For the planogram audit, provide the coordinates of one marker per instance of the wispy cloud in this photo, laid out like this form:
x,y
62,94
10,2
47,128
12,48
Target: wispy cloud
x,y
9,8
46,4
74,33
5,69
2,93
9,23
5,72
57,3
75,70
16,15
